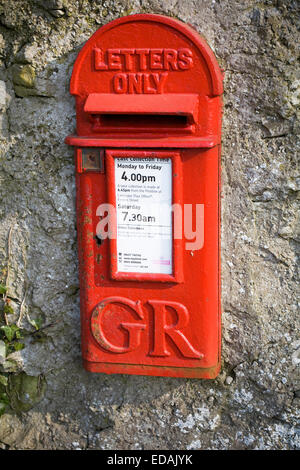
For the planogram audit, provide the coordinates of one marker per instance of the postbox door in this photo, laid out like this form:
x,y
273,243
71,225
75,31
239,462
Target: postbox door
x,y
157,284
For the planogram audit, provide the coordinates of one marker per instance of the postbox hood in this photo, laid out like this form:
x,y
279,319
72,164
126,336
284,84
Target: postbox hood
x,y
147,75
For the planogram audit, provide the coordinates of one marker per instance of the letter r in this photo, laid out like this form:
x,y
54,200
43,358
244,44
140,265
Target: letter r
x,y
161,329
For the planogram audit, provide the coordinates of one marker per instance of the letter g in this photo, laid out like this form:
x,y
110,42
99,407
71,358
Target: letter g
x,y
112,304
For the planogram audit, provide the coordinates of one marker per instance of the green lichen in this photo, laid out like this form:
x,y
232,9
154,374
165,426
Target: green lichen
x,y
23,75
24,92
24,391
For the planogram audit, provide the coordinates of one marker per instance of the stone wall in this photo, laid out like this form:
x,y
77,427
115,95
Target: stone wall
x,y
48,400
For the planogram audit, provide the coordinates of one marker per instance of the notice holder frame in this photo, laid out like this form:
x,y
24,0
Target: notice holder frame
x,y
177,256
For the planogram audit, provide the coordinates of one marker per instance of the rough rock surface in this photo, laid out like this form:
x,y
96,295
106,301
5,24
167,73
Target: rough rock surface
x,y
254,403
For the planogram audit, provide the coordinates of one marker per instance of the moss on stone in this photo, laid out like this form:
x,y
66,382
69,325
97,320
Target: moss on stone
x,y
23,75
23,92
24,391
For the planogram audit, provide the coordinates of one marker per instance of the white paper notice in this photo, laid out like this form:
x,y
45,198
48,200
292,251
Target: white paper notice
x,y
144,218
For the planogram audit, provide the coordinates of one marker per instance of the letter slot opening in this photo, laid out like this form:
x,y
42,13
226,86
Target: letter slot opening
x,y
142,113
141,122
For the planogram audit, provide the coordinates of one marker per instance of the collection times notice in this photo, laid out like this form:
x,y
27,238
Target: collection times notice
x,y
144,217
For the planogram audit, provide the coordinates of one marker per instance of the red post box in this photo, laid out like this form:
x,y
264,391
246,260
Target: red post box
x,y
147,149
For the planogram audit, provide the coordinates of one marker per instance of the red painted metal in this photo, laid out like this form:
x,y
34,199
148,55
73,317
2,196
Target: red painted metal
x,y
149,86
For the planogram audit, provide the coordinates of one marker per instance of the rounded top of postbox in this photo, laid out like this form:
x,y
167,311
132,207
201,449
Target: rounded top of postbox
x,y
146,54
144,75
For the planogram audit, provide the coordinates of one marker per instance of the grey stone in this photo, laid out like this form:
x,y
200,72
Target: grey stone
x,y
57,13
50,4
3,96
2,352
27,54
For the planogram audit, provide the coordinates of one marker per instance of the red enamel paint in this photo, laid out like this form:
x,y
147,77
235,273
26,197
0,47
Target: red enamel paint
x,y
148,108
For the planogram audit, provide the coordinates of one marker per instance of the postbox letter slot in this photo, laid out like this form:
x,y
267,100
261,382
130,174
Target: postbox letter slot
x,y
152,112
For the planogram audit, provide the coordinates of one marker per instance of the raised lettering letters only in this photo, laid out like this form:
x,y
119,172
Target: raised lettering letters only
x,y
142,70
